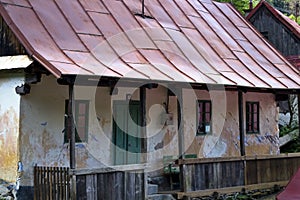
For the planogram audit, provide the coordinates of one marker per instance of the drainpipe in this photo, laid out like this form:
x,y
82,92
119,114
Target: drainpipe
x,y
241,122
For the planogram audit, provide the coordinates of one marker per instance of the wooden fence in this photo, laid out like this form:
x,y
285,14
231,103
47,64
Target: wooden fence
x,y
51,183
55,183
216,173
111,185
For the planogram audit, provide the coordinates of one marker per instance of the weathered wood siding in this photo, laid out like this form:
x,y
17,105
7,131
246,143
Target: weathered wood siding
x,y
276,32
268,170
111,186
9,44
215,173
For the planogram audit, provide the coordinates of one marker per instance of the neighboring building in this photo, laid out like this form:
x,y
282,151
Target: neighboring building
x,y
282,32
134,77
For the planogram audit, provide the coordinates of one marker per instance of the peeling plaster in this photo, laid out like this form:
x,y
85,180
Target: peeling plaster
x,y
42,120
9,126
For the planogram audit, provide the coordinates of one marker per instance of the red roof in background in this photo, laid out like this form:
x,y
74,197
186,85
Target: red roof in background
x,y
286,21
291,192
196,41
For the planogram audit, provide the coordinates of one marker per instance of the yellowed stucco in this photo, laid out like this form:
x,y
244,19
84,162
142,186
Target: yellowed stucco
x,y
9,125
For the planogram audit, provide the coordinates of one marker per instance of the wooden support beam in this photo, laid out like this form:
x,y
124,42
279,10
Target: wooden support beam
x,y
71,129
180,123
180,138
71,111
241,122
143,118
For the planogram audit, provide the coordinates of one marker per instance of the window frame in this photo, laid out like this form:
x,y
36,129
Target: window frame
x,y
76,115
251,114
204,122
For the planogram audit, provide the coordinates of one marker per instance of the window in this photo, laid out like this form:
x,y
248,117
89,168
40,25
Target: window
x,y
81,121
252,117
204,117
265,34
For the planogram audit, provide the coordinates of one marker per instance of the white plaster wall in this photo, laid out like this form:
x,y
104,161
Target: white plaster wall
x,y
42,137
9,124
162,137
42,123
225,137
267,142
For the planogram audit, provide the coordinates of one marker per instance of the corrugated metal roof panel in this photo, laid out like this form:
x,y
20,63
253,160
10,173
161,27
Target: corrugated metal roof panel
x,y
14,62
196,41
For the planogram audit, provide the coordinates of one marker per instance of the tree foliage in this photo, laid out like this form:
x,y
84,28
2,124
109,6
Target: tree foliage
x,y
287,7
241,5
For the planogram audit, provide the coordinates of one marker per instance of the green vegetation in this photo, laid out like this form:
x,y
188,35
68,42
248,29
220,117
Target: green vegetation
x,y
241,5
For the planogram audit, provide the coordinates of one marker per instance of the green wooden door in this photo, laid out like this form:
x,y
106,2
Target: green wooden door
x,y
126,127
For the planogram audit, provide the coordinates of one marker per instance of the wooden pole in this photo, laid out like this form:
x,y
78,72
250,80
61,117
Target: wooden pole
x,y
71,108
143,118
71,111
180,123
241,122
181,138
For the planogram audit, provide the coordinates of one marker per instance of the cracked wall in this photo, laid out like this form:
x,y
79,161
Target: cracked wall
x,y
42,125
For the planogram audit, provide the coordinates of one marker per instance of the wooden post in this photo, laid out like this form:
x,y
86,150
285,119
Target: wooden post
x,y
180,123
180,138
143,118
71,108
241,122
71,111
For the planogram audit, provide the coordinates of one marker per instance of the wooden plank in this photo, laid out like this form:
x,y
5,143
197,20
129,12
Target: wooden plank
x,y
130,186
50,184
139,182
110,179
193,194
68,182
251,172
36,183
60,182
119,185
91,187
132,167
81,187
100,186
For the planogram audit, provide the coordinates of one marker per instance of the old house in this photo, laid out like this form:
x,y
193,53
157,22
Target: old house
x,y
281,31
125,84
284,34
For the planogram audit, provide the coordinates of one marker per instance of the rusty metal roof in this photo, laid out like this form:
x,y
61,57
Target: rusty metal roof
x,y
14,62
196,41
